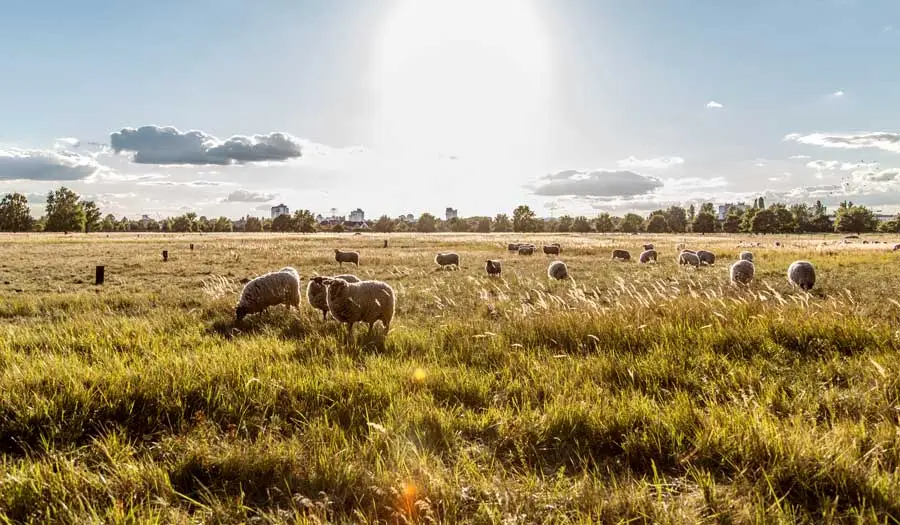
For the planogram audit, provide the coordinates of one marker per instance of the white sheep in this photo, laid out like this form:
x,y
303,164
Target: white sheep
x,y
803,274
558,270
447,259
648,256
746,256
706,257
346,257
689,257
316,291
270,289
742,272
362,302
492,267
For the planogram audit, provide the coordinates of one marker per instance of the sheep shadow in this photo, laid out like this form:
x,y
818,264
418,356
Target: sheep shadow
x,y
286,324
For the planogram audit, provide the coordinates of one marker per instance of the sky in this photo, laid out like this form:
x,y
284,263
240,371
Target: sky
x,y
572,107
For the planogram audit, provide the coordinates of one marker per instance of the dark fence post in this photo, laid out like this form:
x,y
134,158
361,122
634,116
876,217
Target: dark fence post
x,y
385,243
192,246
165,255
98,275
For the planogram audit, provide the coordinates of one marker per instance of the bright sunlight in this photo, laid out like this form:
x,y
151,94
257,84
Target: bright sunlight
x,y
468,75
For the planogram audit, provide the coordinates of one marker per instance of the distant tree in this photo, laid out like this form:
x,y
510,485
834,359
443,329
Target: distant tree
x,y
338,228
109,223
92,217
747,220
564,224
484,225
692,213
891,226
604,223
253,225
764,221
282,223
802,217
523,219
64,211
40,224
182,224
384,224
762,204
581,224
426,223
223,224
15,216
656,224
266,224
707,207
705,222
631,223
458,225
676,218
153,225
501,223
304,221
784,219
854,219
732,222
202,224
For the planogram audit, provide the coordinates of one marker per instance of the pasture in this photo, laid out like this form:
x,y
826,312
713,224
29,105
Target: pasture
x,y
632,393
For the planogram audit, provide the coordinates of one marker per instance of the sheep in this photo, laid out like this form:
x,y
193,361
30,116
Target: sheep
x,y
492,267
447,259
526,249
742,272
706,257
558,270
513,247
648,246
552,249
896,247
680,247
346,257
647,256
270,289
621,254
362,302
688,257
316,292
803,274
746,256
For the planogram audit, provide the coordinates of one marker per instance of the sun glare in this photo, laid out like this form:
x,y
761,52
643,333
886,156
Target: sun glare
x,y
461,74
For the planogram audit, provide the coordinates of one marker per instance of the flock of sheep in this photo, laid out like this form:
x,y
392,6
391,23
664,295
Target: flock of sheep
x,y
351,300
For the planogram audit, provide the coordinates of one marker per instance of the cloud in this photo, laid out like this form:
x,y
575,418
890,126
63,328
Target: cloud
x,y
248,196
66,142
654,163
884,140
837,94
834,165
168,145
798,157
712,104
597,183
190,184
42,165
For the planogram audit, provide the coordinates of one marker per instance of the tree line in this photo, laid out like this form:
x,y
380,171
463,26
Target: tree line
x,y
65,211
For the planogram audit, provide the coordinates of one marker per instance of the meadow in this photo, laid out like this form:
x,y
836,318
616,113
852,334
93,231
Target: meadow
x,y
630,394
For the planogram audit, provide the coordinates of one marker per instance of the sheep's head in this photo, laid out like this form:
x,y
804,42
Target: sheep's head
x,y
319,279
240,312
335,286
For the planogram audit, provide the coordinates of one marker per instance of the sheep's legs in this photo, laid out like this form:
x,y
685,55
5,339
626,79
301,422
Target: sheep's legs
x,y
324,315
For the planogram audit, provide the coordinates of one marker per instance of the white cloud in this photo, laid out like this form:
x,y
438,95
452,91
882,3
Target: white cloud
x,y
654,163
596,183
837,94
712,104
43,165
798,157
168,145
190,184
879,140
248,196
835,165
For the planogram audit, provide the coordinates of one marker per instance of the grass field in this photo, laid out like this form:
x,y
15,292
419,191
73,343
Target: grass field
x,y
630,394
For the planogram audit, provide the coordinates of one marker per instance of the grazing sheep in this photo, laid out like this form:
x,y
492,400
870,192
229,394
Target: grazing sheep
x,y
552,249
492,267
896,247
746,256
558,270
647,256
680,247
706,257
273,288
316,292
803,274
621,254
526,249
648,246
688,257
362,302
513,246
742,272
346,257
447,259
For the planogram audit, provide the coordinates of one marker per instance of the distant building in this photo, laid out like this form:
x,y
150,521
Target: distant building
x,y
357,215
450,213
280,210
725,208
883,217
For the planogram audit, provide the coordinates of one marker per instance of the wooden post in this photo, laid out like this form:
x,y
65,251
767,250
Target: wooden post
x,y
192,246
98,275
165,255
385,243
